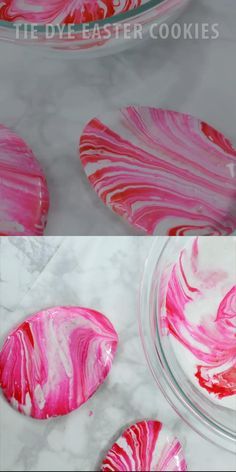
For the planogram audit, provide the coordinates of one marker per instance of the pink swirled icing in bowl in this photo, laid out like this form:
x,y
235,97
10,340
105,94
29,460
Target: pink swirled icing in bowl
x,y
165,172
199,311
187,324
64,11
145,446
24,197
59,25
56,360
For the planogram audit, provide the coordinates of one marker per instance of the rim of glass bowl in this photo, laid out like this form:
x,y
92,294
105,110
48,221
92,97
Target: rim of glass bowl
x,y
158,363
151,4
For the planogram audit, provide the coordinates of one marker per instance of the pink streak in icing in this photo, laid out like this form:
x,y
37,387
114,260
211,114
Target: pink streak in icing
x,y
56,360
165,172
145,446
64,11
213,342
24,197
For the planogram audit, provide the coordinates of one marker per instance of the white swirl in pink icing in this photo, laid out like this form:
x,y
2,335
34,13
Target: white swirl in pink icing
x,y
145,446
165,172
200,312
56,360
24,197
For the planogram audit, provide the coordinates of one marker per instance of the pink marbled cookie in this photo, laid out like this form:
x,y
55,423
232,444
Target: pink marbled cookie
x,y
56,360
24,197
145,446
165,172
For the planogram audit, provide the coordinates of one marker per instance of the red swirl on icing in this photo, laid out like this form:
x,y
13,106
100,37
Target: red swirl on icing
x,y
63,11
218,138
145,446
213,341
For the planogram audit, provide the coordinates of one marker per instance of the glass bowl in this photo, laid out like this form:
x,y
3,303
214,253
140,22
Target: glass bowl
x,y
96,38
211,421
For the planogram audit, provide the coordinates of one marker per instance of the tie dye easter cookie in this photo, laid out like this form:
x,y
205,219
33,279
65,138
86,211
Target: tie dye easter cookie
x,y
167,173
24,198
145,446
56,360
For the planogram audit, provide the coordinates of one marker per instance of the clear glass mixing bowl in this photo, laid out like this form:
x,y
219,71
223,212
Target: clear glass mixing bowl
x,y
215,423
96,38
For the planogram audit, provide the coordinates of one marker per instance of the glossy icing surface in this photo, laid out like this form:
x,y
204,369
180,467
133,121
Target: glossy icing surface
x,y
145,446
55,360
200,311
24,197
165,172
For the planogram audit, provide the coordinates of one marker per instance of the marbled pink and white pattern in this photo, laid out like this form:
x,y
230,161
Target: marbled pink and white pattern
x,y
199,310
24,197
146,446
56,360
167,173
64,11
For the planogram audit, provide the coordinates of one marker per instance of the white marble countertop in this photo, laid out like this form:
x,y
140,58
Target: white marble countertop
x,y
49,100
104,274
